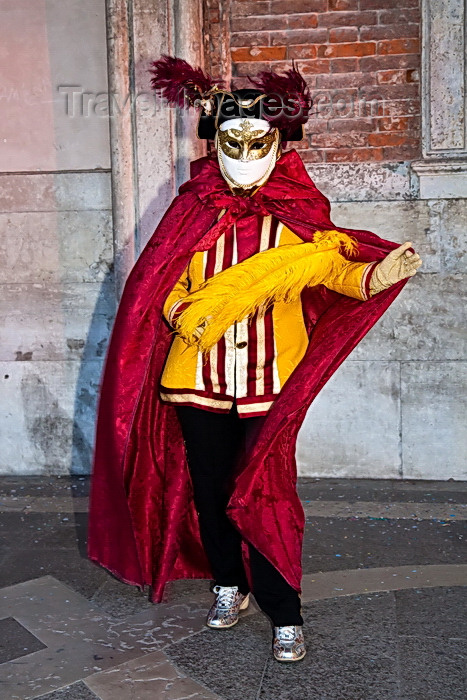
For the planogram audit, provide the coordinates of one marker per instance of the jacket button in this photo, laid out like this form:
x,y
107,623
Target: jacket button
x,y
243,344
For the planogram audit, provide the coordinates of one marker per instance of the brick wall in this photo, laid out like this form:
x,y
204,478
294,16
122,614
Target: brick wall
x,y
361,59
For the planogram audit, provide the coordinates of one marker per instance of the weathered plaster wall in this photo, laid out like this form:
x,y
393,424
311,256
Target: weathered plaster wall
x,y
80,195
56,254
397,406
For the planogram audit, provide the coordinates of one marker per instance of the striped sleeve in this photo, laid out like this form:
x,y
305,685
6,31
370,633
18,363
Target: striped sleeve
x,y
350,278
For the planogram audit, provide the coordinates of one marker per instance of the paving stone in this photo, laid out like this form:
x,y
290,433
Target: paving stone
x,y
432,669
81,639
67,566
120,600
378,490
350,543
38,486
382,490
439,512
36,531
335,670
351,651
353,617
95,583
16,640
152,677
323,585
111,640
76,691
187,588
44,504
229,662
432,612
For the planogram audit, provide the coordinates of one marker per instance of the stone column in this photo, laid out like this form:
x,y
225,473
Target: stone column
x,y
187,44
121,139
443,170
151,144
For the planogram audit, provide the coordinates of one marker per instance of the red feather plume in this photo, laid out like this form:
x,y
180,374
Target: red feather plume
x,y
295,98
181,84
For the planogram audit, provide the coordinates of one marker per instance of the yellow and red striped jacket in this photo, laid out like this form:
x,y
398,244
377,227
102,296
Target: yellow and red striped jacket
x,y
254,358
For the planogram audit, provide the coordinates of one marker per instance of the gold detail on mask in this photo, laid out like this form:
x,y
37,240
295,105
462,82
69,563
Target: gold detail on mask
x,y
251,187
246,143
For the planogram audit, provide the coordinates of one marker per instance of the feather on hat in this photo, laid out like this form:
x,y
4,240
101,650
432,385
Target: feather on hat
x,y
283,100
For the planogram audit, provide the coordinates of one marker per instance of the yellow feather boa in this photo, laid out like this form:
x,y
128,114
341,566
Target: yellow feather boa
x,y
278,274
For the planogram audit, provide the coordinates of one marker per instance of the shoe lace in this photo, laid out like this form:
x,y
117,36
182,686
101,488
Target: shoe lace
x,y
225,595
286,633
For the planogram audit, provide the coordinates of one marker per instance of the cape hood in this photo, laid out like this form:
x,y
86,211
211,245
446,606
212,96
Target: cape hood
x,y
143,525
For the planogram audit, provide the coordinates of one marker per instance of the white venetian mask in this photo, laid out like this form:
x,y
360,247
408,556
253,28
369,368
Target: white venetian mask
x,y
247,150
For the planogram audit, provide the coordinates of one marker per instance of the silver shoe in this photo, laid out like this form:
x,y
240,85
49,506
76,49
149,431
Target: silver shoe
x,y
225,609
288,643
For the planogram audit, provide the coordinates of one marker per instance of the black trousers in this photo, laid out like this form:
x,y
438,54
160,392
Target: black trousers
x,y
213,443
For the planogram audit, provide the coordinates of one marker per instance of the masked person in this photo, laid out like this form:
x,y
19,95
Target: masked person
x,y
242,305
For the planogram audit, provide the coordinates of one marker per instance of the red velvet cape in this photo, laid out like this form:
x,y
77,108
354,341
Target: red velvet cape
x,y
143,525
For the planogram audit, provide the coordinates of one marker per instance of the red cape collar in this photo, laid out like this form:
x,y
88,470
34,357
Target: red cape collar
x,y
288,180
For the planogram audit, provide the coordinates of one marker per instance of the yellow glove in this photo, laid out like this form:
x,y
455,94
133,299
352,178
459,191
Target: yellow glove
x,y
397,265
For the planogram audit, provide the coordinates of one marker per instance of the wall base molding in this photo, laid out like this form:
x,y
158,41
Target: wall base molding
x,y
441,179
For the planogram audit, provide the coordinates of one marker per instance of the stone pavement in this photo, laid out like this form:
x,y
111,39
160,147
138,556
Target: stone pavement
x,y
384,603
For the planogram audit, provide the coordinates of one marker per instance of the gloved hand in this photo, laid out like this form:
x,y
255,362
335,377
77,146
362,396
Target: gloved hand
x,y
397,265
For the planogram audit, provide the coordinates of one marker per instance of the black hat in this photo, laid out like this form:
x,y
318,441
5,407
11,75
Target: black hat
x,y
242,104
